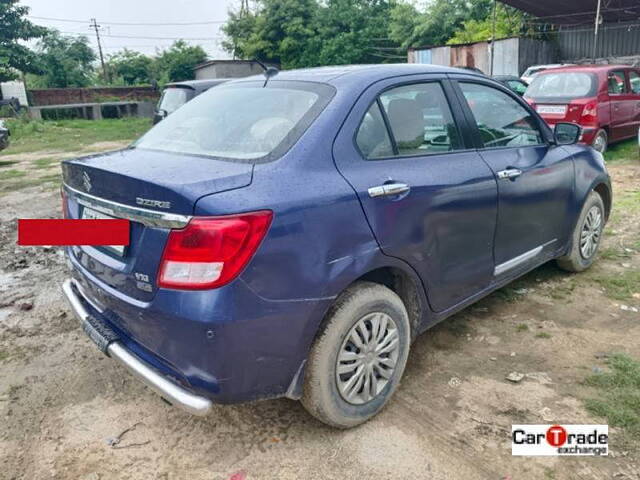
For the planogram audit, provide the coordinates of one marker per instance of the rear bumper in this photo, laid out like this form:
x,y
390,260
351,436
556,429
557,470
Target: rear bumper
x,y
115,349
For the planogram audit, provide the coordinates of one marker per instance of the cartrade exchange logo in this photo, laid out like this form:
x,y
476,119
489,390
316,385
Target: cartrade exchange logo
x,y
554,440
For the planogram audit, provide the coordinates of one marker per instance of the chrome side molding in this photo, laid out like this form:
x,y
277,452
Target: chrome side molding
x,y
150,218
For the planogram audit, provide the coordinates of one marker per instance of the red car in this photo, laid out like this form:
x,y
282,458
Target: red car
x,y
603,99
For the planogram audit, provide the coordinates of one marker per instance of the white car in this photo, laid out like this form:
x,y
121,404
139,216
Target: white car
x,y
530,72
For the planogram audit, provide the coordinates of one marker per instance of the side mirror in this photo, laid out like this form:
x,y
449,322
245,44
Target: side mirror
x,y
162,113
567,133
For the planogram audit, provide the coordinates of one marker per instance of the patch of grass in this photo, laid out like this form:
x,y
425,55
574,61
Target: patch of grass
x,y
7,163
9,174
623,152
522,327
543,335
46,162
53,180
614,253
619,286
619,393
69,135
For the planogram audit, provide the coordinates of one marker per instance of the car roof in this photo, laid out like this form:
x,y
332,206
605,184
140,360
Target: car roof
x,y
586,68
371,73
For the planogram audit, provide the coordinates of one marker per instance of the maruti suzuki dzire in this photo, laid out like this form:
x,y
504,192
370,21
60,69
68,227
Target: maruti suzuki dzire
x,y
291,235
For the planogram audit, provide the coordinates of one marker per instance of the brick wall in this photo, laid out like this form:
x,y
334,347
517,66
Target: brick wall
x,y
62,96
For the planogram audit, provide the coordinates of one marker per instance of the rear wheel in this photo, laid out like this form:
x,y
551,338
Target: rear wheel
x,y
600,142
586,237
357,362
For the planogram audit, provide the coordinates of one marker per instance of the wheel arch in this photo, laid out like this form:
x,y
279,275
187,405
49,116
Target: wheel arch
x,y
604,191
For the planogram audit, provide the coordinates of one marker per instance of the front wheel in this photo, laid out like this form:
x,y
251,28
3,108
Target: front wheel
x,y
586,237
357,362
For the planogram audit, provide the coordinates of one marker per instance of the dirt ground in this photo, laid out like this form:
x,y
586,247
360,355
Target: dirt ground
x,y
64,406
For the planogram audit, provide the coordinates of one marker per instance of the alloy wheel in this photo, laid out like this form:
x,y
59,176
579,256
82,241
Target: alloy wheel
x,y
591,231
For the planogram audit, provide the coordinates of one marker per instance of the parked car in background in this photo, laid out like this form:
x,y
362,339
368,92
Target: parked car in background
x,y
603,99
532,71
177,94
4,135
512,83
292,236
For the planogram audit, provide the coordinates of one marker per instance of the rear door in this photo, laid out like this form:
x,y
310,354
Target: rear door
x,y
535,179
429,199
622,105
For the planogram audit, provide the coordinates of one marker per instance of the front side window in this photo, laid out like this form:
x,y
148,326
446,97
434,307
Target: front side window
x,y
616,82
243,121
501,120
420,119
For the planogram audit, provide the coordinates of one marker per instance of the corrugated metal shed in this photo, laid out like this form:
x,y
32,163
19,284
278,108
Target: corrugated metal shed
x,y
614,40
512,55
572,12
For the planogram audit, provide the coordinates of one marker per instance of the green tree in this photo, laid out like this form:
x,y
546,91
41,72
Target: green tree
x,y
177,62
508,24
302,33
438,23
14,27
66,61
133,68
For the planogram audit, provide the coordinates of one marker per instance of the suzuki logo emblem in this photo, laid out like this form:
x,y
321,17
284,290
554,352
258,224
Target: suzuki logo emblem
x,y
86,180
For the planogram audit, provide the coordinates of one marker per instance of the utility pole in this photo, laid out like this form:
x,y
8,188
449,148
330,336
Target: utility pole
x,y
97,27
493,35
595,32
244,7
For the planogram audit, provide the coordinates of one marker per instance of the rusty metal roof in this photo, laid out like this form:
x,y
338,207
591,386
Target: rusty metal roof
x,y
577,12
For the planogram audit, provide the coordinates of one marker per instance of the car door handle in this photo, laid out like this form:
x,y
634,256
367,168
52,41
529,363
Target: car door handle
x,y
388,190
509,173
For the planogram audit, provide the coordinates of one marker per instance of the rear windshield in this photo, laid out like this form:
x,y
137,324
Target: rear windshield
x,y
173,98
244,121
562,85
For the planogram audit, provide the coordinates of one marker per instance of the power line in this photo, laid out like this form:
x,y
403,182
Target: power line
x,y
132,24
150,38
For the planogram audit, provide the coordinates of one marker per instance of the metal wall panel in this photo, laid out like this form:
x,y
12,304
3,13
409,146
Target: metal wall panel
x,y
614,40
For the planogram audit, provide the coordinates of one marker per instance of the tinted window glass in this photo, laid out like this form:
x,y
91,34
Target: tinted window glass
x,y
502,121
240,121
562,85
634,80
373,138
616,82
420,119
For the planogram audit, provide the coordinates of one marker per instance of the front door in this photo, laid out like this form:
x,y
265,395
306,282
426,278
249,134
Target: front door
x,y
429,199
535,178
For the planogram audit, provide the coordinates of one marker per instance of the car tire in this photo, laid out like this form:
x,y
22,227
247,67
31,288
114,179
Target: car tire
x,y
600,142
589,227
327,394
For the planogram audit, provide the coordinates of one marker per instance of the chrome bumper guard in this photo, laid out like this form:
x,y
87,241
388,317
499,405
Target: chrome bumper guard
x,y
173,393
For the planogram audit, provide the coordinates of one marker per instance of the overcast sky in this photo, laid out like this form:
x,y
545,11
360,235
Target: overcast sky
x,y
111,12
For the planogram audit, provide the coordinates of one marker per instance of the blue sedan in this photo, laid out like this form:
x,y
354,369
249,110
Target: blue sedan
x,y
292,234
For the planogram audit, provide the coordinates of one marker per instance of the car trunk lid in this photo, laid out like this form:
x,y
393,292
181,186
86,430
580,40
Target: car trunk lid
x,y
156,191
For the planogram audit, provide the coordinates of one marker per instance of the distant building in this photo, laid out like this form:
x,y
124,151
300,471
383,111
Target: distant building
x,y
227,69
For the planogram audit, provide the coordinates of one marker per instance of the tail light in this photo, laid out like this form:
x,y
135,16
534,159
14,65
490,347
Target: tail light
x,y
590,113
211,251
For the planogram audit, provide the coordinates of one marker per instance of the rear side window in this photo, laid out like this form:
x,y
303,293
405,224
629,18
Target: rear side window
x,y
420,119
373,137
501,120
634,80
616,82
